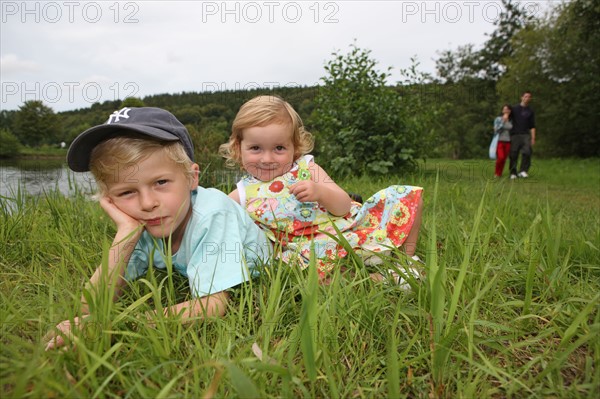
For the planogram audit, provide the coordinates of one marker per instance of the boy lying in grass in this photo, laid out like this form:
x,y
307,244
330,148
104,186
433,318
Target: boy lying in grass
x,y
143,162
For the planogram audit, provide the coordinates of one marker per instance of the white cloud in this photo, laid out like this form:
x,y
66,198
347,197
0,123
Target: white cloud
x,y
11,64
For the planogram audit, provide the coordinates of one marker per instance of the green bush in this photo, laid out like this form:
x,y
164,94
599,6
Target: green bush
x,y
363,125
10,144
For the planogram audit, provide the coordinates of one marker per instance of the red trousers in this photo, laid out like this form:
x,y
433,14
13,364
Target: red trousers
x,y
501,155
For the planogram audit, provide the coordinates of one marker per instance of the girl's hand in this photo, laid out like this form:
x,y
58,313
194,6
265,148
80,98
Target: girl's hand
x,y
306,191
123,221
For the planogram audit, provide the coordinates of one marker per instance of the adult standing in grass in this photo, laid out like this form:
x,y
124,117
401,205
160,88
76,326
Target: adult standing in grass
x,y
502,127
300,207
143,162
522,137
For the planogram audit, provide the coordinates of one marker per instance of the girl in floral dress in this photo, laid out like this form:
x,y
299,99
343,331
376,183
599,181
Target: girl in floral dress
x,y
298,205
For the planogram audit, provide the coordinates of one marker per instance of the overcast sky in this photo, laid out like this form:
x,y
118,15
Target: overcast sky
x,y
70,54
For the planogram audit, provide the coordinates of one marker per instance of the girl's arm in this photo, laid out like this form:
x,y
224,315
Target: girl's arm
x,y
498,125
234,195
322,189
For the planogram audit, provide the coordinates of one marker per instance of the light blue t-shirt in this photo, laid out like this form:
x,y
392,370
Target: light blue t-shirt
x,y
220,245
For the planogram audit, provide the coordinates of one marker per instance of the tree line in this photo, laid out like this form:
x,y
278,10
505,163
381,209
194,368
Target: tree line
x,y
363,123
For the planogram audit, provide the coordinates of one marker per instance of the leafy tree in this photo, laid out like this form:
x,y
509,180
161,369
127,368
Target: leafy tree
x,y
190,114
489,62
469,77
497,50
468,105
207,140
36,124
456,66
558,59
420,109
213,111
357,119
6,119
132,102
10,144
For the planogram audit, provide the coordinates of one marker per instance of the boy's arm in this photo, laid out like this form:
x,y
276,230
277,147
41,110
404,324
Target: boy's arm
x,y
128,233
119,254
207,306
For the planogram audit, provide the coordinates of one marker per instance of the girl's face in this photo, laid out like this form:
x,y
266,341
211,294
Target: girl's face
x,y
267,151
506,110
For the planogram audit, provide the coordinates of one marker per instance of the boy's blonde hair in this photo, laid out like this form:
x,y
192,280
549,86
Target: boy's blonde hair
x,y
119,155
263,111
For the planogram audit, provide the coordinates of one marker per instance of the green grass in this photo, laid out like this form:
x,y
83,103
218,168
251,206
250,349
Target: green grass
x,y
509,308
45,151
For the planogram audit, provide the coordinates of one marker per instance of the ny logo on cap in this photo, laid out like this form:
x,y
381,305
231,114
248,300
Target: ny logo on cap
x,y
124,113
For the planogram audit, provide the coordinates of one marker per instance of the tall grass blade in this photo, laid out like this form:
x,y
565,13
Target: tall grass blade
x,y
534,258
593,305
308,316
393,366
464,265
437,295
241,382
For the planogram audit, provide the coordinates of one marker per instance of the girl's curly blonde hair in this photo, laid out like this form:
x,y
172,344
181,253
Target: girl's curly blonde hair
x,y
263,111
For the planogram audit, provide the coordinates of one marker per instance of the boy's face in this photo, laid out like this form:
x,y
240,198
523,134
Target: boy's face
x,y
267,151
156,192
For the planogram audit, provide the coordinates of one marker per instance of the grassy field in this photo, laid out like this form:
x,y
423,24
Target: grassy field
x,y
509,306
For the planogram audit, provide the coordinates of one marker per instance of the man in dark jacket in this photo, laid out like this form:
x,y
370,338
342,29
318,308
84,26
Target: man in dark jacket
x,y
522,136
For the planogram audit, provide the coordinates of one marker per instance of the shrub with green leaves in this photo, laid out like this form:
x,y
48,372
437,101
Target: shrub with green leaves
x,y
10,144
357,119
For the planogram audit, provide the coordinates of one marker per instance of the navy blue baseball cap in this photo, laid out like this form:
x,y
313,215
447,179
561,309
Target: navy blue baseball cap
x,y
152,122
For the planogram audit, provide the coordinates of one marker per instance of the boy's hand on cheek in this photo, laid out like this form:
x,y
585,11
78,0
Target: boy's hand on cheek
x,y
123,221
306,191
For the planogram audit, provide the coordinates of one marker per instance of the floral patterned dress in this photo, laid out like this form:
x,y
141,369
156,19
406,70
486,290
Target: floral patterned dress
x,y
382,222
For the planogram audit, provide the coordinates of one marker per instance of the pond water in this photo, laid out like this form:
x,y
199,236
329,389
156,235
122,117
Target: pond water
x,y
37,176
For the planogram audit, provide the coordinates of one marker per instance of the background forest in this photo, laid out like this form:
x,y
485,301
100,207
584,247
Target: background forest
x,y
363,120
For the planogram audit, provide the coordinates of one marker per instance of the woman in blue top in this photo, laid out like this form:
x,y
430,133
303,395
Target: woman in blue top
x,y
502,126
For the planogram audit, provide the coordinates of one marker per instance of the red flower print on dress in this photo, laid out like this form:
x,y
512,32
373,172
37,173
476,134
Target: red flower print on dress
x,y
276,186
301,228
